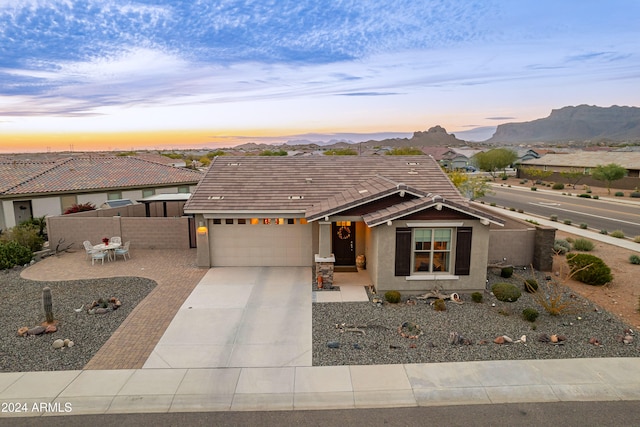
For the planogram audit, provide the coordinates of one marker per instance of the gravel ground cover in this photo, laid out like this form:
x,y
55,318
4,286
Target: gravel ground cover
x,y
479,323
22,306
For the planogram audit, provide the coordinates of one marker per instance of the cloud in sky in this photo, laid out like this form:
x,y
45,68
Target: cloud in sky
x,y
228,65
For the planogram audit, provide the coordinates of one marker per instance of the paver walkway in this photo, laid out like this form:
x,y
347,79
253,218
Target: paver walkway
x,y
131,344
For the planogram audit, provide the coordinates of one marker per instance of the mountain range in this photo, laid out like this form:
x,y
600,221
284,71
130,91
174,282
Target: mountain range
x,y
583,123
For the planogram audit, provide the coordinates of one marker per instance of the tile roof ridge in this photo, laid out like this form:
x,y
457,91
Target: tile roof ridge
x,y
56,164
138,159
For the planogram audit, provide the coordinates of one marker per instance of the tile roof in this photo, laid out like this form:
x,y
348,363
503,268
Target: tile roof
x,y
313,185
89,173
590,159
401,210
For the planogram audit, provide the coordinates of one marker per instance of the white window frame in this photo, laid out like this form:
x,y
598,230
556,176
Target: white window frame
x,y
432,251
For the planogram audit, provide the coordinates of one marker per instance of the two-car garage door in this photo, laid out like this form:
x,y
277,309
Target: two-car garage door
x,y
270,245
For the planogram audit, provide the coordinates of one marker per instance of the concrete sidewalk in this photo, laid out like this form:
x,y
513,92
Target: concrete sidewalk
x,y
329,387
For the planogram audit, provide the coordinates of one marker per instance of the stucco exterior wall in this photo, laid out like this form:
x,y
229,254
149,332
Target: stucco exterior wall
x,y
96,198
46,206
383,274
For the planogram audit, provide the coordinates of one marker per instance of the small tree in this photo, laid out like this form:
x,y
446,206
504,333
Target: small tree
x,y
405,151
609,173
535,173
341,152
494,160
573,176
273,153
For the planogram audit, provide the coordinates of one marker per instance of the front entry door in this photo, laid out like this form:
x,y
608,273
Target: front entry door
x,y
344,243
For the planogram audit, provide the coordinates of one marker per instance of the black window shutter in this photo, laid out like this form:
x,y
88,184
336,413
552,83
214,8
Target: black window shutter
x,y
403,252
463,251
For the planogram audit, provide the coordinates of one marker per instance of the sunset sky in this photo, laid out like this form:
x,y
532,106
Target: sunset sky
x,y
114,74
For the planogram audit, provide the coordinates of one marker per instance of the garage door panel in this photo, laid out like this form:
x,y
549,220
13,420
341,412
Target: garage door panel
x,y
260,245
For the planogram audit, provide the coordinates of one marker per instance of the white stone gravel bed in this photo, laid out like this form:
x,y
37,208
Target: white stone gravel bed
x,y
381,342
21,305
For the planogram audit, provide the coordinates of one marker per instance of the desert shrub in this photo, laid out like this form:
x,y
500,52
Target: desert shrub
x,y
589,269
504,177
634,259
392,296
569,239
506,292
588,191
523,182
439,305
530,314
520,210
585,195
476,297
567,222
506,272
82,207
531,285
26,235
635,194
636,239
13,253
583,245
596,197
492,204
584,225
618,194
603,231
619,234
558,186
553,217
561,246
512,209
534,189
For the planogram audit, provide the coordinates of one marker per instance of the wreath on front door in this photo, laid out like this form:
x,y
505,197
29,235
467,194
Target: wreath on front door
x,y
344,233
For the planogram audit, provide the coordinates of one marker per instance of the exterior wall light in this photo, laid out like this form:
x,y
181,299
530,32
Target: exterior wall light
x,y
202,229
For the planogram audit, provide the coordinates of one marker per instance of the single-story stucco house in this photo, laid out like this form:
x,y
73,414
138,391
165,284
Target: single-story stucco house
x,y
400,212
43,188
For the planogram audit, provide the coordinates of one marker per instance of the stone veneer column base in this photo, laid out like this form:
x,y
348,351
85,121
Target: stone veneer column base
x,y
324,268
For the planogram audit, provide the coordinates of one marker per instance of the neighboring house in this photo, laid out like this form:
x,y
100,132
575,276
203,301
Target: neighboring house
x,y
33,189
587,160
458,158
526,154
159,158
401,212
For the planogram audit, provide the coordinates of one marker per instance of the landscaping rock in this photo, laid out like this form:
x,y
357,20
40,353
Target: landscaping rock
x,y
37,330
23,331
58,343
333,344
50,329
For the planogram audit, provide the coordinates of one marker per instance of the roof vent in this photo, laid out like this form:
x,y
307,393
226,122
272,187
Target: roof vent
x,y
363,191
308,180
296,197
413,172
215,197
233,164
413,163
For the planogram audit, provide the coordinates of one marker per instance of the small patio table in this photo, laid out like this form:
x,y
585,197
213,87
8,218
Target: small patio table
x,y
111,247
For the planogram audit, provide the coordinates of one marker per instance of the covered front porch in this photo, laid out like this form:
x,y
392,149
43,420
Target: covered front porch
x,y
352,288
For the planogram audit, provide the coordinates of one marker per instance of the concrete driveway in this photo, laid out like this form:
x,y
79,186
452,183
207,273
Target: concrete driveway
x,y
241,317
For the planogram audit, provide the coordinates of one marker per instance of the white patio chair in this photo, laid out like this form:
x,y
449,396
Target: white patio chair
x,y
116,239
98,255
124,251
88,247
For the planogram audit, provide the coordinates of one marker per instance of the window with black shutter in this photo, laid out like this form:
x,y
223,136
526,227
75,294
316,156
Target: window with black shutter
x,y
403,252
463,251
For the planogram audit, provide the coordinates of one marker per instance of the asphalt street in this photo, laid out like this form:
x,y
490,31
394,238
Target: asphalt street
x,y
567,414
597,214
